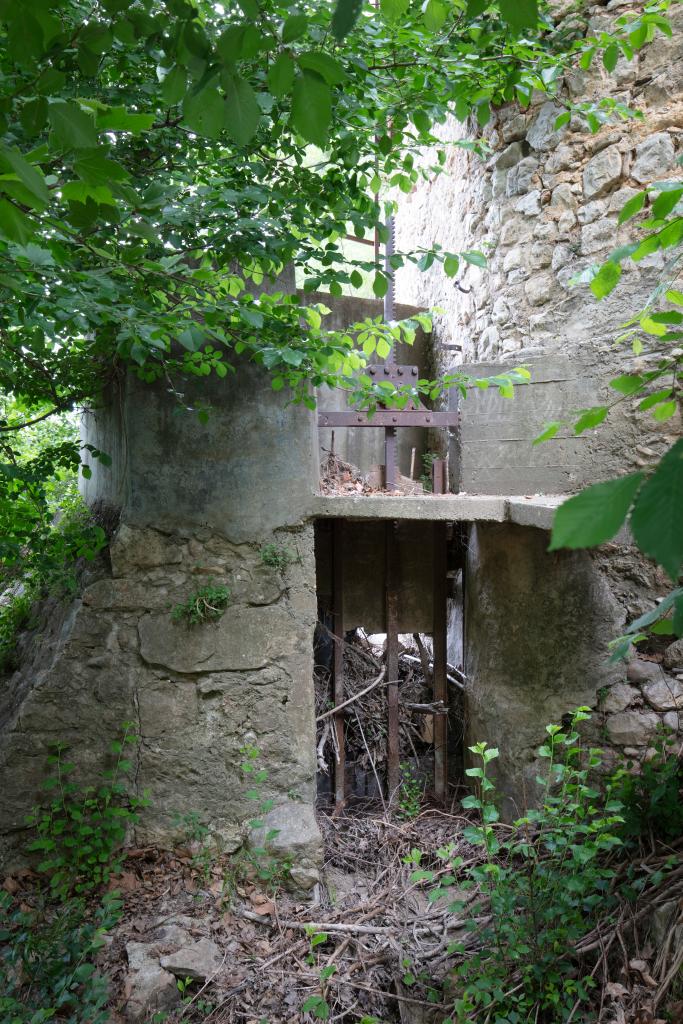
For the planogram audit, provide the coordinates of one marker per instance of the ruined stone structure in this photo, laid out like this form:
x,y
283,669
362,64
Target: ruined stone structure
x,y
199,503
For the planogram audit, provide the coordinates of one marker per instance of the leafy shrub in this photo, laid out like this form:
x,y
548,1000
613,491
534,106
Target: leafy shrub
x,y
652,800
47,952
14,614
81,832
277,557
205,605
535,893
409,793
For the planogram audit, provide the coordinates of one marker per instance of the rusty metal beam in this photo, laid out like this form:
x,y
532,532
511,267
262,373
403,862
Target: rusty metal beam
x,y
338,659
439,476
389,418
392,599
440,643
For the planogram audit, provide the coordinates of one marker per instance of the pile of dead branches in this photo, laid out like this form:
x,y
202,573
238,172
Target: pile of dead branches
x,y
365,708
340,477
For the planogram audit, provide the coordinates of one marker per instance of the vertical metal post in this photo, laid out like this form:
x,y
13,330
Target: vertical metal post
x,y
338,660
392,599
439,476
440,643
390,433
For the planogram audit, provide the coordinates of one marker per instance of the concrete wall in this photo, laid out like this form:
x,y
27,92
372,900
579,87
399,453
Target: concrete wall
x,y
197,504
537,627
493,453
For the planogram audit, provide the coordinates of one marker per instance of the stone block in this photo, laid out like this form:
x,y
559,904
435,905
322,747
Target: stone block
x,y
297,834
149,988
654,158
673,655
599,236
510,156
602,172
664,694
244,638
200,960
563,197
134,549
619,698
632,728
539,289
640,671
520,177
530,204
542,134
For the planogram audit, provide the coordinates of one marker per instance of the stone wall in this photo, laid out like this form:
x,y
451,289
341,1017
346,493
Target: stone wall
x,y
543,207
198,503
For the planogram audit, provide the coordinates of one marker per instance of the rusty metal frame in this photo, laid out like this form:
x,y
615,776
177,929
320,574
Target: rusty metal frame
x,y
391,612
389,418
338,660
440,656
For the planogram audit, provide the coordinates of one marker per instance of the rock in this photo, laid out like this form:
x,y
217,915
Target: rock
x,y
620,697
298,836
509,157
654,158
632,728
664,694
672,720
199,961
149,987
542,134
591,211
562,159
539,289
600,235
530,204
520,176
563,197
566,222
602,172
141,549
639,671
243,638
673,655
513,259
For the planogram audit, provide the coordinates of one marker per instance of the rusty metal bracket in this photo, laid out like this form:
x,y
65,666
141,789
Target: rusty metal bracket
x,y
389,418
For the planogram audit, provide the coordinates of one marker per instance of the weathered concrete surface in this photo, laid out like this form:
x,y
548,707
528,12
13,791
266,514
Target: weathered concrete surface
x,y
493,452
250,470
198,503
447,507
537,627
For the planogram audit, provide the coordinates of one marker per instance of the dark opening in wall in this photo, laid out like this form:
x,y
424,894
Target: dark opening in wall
x,y
389,656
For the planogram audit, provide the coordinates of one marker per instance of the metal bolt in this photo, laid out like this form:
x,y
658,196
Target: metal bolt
x,y
372,371
359,419
414,371
400,371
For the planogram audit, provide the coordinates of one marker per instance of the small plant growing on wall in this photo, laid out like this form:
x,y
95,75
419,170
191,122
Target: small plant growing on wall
x,y
205,605
277,557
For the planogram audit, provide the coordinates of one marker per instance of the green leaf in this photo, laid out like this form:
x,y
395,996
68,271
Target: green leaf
x,y
519,14
656,521
344,17
118,119
451,264
294,28
380,285
14,224
435,14
327,67
477,259
281,75
31,177
595,515
665,203
97,169
393,11
665,411
548,433
174,85
627,383
244,112
610,57
606,280
205,112
312,108
590,418
73,128
632,207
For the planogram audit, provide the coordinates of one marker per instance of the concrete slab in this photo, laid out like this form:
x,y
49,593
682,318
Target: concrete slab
x,y
538,510
445,507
